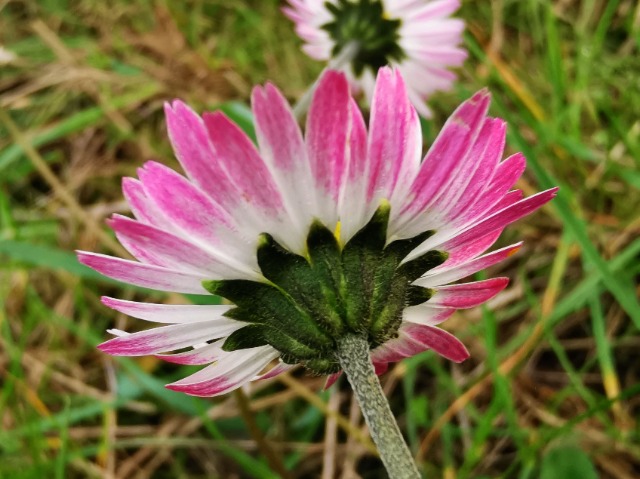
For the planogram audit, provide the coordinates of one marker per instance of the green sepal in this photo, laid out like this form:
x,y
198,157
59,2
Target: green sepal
x,y
278,264
294,349
373,235
264,303
241,292
412,270
417,295
325,256
401,248
255,335
360,262
250,336
294,275
322,366
390,278
391,285
307,303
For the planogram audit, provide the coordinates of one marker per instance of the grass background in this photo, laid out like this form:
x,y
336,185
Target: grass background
x,y
551,389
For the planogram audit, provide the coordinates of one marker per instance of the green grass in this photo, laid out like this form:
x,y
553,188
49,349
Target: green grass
x,y
551,389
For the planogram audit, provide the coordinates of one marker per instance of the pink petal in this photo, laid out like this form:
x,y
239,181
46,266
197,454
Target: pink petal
x,y
480,236
504,217
509,199
275,371
485,153
454,272
352,207
395,138
331,380
198,218
189,208
380,368
196,357
166,313
230,372
441,32
400,6
506,175
327,138
462,252
448,204
450,147
169,338
468,295
145,275
417,338
417,98
142,207
480,179
436,9
155,246
294,15
436,54
191,144
358,153
278,133
427,315
425,79
396,349
442,342
283,150
242,165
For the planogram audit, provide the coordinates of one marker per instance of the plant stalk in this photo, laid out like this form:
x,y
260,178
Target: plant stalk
x,y
354,356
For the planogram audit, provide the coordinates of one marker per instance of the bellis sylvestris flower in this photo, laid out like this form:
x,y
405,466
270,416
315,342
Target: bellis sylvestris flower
x,y
310,238
416,36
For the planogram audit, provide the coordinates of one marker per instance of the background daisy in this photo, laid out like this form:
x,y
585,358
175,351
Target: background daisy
x,y
419,37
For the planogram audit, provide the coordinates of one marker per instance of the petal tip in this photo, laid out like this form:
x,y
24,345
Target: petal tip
x,y
515,249
499,283
84,257
462,356
109,302
175,387
112,347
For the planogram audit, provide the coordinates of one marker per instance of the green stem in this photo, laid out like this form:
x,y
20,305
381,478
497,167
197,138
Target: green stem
x,y
354,356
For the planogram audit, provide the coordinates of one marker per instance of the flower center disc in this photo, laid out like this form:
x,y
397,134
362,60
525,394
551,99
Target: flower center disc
x,y
365,23
308,303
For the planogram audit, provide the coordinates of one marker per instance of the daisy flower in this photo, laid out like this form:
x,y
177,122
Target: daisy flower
x,y
311,238
418,37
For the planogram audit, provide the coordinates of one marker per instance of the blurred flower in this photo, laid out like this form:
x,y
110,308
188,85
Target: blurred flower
x,y
310,238
416,36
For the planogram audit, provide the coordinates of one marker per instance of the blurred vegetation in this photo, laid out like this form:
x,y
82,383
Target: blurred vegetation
x,y
551,390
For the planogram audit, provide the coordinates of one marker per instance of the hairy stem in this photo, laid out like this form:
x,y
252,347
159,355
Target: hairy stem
x,y
354,356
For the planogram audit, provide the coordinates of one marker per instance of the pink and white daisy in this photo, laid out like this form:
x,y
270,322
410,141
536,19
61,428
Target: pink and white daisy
x,y
418,37
341,231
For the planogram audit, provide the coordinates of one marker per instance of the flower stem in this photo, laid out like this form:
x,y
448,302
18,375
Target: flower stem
x,y
348,53
354,356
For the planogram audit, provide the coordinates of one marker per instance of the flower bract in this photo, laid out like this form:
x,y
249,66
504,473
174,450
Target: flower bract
x,y
416,36
345,229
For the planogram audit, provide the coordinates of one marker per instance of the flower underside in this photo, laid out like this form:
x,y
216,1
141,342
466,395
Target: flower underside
x,y
364,22
310,302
